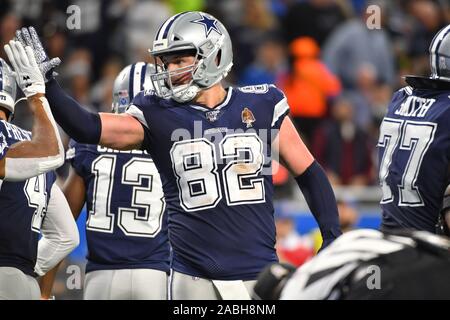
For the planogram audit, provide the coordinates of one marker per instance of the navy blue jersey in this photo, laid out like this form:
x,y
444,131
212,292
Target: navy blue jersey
x,y
215,166
126,227
22,208
414,153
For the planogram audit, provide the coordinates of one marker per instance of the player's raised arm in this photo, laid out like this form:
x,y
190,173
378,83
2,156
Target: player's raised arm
x,y
44,152
117,131
311,179
114,131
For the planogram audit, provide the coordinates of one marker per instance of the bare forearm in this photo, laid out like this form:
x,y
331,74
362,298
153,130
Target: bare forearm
x,y
43,153
75,192
122,132
311,179
46,282
44,141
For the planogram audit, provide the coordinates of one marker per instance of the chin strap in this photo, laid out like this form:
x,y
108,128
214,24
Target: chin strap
x,y
187,94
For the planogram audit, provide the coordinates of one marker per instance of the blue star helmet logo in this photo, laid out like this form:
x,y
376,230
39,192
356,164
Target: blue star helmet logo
x,y
209,24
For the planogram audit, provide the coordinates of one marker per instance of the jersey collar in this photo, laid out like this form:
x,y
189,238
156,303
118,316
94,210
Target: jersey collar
x,y
219,106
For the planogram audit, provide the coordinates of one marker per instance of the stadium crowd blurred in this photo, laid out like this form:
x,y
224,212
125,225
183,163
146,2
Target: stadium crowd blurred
x,y
337,73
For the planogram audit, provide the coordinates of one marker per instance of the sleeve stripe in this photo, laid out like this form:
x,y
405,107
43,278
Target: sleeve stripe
x,y
281,108
137,113
408,90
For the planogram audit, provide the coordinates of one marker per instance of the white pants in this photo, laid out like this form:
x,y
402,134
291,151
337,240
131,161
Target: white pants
x,y
186,287
125,284
16,285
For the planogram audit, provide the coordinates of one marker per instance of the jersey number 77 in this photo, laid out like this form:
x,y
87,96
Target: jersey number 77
x,y
409,136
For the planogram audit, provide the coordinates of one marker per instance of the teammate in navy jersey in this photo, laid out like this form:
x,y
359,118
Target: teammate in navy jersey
x,y
30,201
414,145
213,149
126,228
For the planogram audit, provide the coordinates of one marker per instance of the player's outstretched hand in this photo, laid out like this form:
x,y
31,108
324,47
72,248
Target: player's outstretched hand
x,y
28,37
26,71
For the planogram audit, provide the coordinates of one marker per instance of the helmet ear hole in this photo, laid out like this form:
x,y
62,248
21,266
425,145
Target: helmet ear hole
x,y
219,57
7,113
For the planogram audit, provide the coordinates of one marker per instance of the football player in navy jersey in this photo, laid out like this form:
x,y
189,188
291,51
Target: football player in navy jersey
x,y
126,228
414,145
213,148
30,201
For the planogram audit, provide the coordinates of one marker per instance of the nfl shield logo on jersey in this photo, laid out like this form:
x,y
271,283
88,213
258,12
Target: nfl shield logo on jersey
x,y
247,117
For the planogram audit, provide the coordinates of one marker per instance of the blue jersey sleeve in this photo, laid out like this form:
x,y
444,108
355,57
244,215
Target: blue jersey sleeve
x,y
4,140
141,108
281,106
140,105
273,98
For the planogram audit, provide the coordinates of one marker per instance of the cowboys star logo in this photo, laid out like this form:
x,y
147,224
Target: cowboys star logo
x,y
208,24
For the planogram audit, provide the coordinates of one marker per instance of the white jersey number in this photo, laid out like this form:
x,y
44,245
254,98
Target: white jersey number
x,y
149,197
35,191
195,166
400,135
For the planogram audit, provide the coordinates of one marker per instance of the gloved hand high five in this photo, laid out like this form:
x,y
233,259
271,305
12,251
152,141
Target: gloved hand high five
x,y
26,70
29,37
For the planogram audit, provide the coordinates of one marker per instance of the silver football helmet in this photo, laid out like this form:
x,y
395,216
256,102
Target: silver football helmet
x,y
439,62
131,80
440,55
207,38
7,87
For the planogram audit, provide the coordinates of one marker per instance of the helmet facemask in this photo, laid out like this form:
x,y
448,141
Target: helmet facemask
x,y
166,87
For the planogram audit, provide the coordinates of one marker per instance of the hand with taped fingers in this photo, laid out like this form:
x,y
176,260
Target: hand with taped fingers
x,y
29,37
26,70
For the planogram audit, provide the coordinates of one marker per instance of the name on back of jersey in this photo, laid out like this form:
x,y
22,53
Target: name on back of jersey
x,y
15,132
415,107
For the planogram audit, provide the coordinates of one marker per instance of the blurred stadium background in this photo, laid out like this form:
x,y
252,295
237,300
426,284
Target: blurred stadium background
x,y
337,73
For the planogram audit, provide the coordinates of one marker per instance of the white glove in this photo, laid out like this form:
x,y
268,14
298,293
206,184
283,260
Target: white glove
x,y
27,73
28,37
